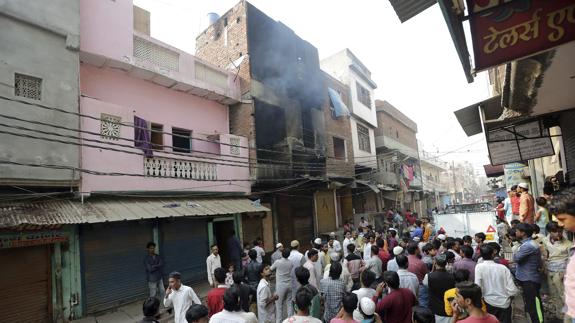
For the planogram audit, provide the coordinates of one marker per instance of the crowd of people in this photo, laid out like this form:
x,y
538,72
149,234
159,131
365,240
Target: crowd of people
x,y
411,274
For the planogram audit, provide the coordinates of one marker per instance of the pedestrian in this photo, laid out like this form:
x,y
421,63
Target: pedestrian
x,y
418,231
370,240
416,266
392,264
232,312
507,209
297,259
363,223
407,279
542,214
332,290
396,306
259,250
310,265
422,315
468,302
349,304
244,291
346,241
479,239
154,265
466,261
197,313
557,248
500,208
438,282
496,282
180,297
515,202
526,204
151,310
215,297
467,240
409,217
353,263
345,275
528,260
496,254
324,259
383,254
283,268
502,227
230,275
367,280
303,302
253,273
391,239
460,276
265,298
277,255
333,243
212,263
374,264
235,250
429,252
452,246
302,276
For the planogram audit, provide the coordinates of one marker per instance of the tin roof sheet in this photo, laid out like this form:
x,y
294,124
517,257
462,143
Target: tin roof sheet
x,y
51,212
407,9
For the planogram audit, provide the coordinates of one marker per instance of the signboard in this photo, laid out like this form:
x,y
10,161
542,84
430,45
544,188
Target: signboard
x,y
490,229
31,239
503,30
513,174
517,143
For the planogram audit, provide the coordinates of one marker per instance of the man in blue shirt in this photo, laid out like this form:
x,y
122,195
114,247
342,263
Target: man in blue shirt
x,y
528,259
154,265
418,232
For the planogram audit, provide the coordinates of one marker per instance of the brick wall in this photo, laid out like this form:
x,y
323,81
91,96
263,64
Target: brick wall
x,y
391,127
341,128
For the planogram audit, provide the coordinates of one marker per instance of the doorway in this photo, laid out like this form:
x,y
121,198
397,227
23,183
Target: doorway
x,y
222,232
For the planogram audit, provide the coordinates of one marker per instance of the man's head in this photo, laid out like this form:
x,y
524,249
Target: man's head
x,y
197,313
280,247
347,234
374,250
480,237
285,253
351,248
367,278
302,275
418,223
555,231
467,240
564,208
514,223
391,279
524,231
303,298
440,261
522,187
253,254
413,248
486,252
402,261
429,249
214,249
541,201
294,244
232,300
317,243
265,272
151,248
151,307
258,242
220,275
332,236
335,270
461,275
312,255
514,190
354,234
466,251
468,295
392,232
349,303
496,248
175,280
238,277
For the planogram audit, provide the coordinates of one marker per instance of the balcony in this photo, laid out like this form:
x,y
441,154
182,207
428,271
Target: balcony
x,y
184,169
393,144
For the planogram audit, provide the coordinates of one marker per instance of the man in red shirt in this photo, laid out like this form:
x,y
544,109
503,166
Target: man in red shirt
x,y
383,254
515,202
396,307
416,265
468,300
409,217
215,297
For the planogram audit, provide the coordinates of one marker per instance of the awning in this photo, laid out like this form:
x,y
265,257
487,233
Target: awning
x,y
368,184
340,108
406,9
494,171
52,212
470,117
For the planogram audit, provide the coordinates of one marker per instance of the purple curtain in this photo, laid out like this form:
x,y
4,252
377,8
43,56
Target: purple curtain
x,y
142,136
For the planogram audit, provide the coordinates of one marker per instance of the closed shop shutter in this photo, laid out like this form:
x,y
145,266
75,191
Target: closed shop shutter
x,y
25,284
567,120
112,262
184,248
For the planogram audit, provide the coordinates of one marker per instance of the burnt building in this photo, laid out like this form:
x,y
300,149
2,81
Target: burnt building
x,y
282,113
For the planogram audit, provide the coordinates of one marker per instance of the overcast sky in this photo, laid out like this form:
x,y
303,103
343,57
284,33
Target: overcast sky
x,y
414,64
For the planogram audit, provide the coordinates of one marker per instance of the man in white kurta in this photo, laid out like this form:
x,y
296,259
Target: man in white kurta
x,y
180,297
212,263
265,298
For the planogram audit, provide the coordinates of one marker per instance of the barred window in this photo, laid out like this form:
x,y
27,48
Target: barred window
x,y
363,95
363,138
28,86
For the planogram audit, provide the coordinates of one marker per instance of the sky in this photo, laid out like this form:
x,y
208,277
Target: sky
x,y
414,64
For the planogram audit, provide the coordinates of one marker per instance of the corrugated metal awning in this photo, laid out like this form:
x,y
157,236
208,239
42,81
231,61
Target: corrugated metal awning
x,y
470,119
407,9
52,212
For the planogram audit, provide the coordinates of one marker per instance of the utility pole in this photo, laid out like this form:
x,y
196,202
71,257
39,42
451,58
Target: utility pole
x,y
454,183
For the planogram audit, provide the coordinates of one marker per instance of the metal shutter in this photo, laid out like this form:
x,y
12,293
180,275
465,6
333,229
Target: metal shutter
x,y
25,292
112,262
567,120
184,248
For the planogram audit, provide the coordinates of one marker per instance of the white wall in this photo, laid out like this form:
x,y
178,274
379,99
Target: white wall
x,y
368,114
360,155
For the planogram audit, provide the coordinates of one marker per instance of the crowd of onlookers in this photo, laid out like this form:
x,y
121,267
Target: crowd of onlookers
x,y
400,273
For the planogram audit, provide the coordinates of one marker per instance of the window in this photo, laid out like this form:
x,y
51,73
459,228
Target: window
x,y
363,95
110,126
157,136
181,140
396,134
28,86
363,138
338,148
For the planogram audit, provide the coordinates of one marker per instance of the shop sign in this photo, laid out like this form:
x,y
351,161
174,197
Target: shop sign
x,y
514,174
518,143
31,239
504,30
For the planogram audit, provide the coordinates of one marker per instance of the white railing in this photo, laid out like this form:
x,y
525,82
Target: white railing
x,y
164,167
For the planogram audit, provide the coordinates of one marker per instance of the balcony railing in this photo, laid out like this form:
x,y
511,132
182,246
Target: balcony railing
x,y
184,169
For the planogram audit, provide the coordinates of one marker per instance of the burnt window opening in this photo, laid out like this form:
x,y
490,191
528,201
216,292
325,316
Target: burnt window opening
x,y
308,128
238,19
339,148
397,134
181,140
225,22
363,95
363,138
157,136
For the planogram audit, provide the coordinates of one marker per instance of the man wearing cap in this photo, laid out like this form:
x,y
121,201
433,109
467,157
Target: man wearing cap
x,y
277,255
392,264
333,244
526,204
310,264
297,259
283,268
348,239
365,311
180,296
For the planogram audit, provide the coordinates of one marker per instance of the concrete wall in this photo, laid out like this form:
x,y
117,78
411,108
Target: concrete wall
x,y
157,104
39,40
363,158
393,130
